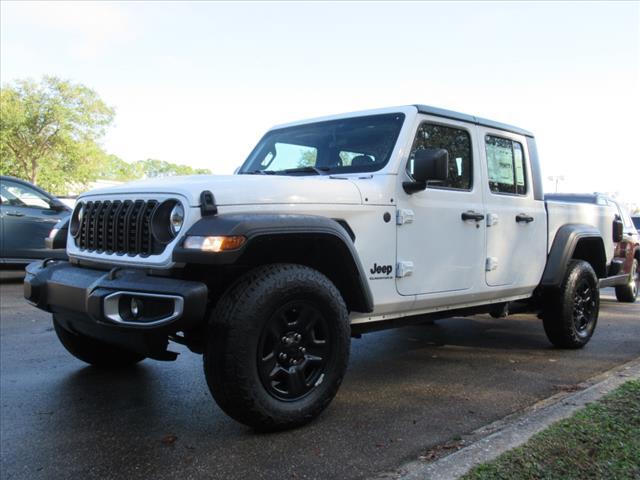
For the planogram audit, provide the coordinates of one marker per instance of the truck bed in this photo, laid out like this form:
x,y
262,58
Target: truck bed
x,y
560,213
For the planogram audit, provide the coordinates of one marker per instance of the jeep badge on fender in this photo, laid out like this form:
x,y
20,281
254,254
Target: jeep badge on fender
x,y
381,269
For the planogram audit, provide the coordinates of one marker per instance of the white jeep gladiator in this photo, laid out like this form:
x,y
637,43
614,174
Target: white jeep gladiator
x,y
332,227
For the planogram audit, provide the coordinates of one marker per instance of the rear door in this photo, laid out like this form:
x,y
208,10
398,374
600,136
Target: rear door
x,y
516,243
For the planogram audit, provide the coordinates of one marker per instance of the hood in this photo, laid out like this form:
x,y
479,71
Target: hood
x,y
246,189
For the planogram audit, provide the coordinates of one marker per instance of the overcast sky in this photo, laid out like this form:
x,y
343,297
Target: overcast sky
x,y
199,83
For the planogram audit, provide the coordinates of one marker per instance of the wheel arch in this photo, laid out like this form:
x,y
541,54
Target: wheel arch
x,y
574,242
324,244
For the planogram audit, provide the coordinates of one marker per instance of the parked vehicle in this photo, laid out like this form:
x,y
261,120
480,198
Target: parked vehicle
x,y
627,249
69,201
331,228
28,214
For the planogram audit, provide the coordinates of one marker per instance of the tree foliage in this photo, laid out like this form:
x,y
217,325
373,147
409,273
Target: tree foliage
x,y
113,168
150,168
49,131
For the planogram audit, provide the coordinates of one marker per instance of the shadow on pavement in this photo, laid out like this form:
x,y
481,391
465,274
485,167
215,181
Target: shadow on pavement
x,y
11,275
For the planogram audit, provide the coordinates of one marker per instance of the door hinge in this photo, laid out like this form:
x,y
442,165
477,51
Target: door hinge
x,y
403,216
492,219
491,264
404,269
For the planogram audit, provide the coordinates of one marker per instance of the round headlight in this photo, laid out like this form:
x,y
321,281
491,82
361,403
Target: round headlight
x,y
176,218
76,219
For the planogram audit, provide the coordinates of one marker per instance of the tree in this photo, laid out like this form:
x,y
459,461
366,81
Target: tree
x,y
150,168
114,168
49,132
307,158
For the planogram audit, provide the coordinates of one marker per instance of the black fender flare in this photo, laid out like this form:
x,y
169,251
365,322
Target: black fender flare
x,y
280,229
59,240
563,249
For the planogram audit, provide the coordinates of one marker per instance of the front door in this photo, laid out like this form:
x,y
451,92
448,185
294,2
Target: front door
x,y
440,232
27,219
516,221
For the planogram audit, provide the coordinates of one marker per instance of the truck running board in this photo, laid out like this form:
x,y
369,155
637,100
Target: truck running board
x,y
614,281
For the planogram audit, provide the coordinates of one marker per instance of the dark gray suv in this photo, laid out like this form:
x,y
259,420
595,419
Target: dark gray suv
x,y
27,216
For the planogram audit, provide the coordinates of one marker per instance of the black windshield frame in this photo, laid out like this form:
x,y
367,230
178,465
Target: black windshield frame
x,y
373,136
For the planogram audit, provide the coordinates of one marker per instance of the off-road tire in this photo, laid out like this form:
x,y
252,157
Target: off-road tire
x,y
629,292
236,328
499,310
576,301
95,352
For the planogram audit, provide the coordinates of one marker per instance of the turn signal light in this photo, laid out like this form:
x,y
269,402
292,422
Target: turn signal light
x,y
214,244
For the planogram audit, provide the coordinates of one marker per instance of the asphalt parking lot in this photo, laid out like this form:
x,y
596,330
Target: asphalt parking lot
x,y
406,391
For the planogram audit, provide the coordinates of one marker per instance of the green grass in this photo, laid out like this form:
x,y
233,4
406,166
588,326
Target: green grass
x,y
601,441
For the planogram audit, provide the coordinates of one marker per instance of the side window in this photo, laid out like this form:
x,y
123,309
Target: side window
x,y
17,195
505,163
624,216
628,223
457,142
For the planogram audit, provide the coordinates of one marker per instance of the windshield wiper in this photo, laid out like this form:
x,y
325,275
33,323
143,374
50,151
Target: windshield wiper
x,y
260,172
316,170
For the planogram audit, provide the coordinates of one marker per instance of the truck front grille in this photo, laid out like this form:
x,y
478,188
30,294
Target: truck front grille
x,y
118,226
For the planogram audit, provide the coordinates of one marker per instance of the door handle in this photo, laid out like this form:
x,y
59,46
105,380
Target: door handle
x,y
15,214
471,215
523,217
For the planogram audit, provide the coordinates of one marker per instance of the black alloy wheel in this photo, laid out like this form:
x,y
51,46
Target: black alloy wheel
x,y
293,350
584,307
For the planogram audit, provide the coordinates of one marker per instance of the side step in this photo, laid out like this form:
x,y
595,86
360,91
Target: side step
x,y
614,281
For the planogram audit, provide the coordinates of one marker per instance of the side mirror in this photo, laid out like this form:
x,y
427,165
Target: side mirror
x,y
618,228
59,207
428,164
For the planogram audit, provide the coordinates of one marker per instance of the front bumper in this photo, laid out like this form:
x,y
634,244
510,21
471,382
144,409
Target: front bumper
x,y
123,306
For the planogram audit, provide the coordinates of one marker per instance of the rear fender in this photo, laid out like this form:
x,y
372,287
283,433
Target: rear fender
x,y
574,241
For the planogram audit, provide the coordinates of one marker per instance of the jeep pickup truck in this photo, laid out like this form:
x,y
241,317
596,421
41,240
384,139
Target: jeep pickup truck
x,y
331,227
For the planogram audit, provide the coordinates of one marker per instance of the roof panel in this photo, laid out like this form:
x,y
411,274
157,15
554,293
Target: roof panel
x,y
464,117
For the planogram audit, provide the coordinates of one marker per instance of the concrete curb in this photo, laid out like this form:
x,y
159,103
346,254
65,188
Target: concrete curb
x,y
494,439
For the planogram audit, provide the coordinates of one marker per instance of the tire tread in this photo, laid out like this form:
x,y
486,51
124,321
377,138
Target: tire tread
x,y
95,352
558,309
225,355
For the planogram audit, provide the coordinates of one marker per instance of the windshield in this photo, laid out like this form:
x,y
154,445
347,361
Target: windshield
x,y
357,144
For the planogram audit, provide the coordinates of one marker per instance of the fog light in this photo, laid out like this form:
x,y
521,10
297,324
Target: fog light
x,y
136,307
214,243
